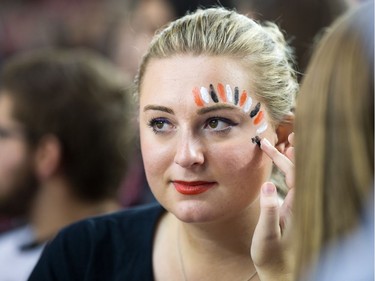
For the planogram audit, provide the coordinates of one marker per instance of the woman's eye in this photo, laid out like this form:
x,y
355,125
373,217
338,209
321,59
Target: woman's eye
x,y
160,125
213,123
219,124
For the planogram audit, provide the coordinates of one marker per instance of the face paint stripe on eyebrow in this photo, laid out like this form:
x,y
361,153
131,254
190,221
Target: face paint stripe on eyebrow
x,y
213,94
197,98
248,104
243,98
255,110
204,95
221,91
262,128
229,93
258,118
236,95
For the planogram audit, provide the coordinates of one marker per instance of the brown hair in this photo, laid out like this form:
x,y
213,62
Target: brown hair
x,y
335,136
80,98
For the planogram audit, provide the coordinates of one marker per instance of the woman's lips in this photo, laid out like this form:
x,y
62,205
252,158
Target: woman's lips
x,y
192,187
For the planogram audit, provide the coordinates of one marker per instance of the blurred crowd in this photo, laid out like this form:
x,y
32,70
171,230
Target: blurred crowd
x,y
122,29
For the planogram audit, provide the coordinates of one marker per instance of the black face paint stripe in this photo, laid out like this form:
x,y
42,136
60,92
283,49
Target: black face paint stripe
x,y
255,111
236,95
256,140
213,94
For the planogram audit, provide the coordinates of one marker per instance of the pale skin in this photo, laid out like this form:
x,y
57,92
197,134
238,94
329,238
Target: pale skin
x,y
211,231
271,240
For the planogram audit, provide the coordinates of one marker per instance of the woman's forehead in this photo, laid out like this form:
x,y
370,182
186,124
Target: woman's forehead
x,y
187,71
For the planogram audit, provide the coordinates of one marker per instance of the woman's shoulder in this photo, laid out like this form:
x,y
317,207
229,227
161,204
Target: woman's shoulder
x,y
124,237
125,222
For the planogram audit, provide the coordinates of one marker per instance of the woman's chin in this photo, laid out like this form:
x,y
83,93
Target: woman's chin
x,y
194,211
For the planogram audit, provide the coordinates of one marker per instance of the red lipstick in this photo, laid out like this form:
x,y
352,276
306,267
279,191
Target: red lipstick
x,y
192,187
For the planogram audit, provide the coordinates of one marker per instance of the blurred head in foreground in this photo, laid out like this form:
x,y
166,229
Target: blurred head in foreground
x,y
335,136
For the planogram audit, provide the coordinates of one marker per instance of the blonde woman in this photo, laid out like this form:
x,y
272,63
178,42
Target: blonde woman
x,y
210,86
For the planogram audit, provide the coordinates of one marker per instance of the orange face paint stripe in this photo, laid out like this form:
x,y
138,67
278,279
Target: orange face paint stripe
x,y
258,118
197,97
221,91
243,98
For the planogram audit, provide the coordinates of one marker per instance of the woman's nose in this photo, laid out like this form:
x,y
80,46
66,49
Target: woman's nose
x,y
189,153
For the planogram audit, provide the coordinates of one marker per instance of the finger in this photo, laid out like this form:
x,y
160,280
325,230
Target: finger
x,y
268,226
289,149
289,152
286,211
281,161
291,138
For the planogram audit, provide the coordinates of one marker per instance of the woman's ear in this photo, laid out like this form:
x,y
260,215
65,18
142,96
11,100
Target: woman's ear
x,y
283,130
47,157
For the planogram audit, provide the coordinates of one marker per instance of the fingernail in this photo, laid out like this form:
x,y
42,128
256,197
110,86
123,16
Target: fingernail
x,y
268,189
266,142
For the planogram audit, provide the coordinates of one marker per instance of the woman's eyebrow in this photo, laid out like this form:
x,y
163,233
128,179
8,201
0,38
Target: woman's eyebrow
x,y
158,108
216,107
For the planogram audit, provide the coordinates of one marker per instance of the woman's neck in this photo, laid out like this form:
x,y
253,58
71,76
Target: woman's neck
x,y
225,237
217,250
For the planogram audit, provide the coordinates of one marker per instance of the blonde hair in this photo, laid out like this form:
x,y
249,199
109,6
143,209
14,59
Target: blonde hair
x,y
334,137
220,32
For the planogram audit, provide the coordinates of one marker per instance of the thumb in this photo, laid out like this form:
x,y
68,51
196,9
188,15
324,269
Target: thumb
x,y
268,227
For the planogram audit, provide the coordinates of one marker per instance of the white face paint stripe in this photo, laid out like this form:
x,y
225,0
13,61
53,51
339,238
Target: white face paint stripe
x,y
262,128
205,95
247,105
229,93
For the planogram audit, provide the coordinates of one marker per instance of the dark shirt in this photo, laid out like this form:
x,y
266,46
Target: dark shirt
x,y
108,248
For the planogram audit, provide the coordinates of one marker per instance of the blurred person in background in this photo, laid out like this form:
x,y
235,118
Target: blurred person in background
x,y
141,20
63,142
302,20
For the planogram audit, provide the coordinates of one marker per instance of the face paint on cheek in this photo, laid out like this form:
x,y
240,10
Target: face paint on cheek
x,y
262,128
247,106
258,118
256,140
258,121
255,110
